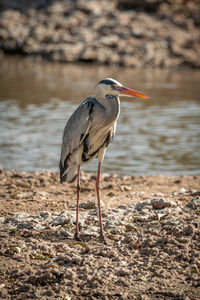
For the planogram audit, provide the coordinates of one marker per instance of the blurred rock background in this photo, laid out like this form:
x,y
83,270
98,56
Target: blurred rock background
x,y
135,33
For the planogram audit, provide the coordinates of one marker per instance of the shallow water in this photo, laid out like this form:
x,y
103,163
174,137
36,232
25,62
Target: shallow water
x,y
160,135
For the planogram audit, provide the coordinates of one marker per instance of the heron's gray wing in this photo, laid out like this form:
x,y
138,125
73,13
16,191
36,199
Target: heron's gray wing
x,y
76,128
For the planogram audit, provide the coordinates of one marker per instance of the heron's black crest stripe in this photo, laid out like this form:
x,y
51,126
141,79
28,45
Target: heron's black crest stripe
x,y
107,81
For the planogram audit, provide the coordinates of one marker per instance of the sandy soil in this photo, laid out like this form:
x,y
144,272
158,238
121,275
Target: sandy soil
x,y
151,226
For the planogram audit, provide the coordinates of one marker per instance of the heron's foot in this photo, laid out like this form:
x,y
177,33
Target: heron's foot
x,y
102,238
76,236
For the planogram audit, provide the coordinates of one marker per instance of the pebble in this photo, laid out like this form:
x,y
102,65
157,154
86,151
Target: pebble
x,y
88,205
18,250
2,285
122,272
161,203
59,220
194,203
141,205
45,214
194,269
2,220
182,190
125,188
111,194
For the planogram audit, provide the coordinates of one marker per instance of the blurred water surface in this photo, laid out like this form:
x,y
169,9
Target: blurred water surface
x,y
160,135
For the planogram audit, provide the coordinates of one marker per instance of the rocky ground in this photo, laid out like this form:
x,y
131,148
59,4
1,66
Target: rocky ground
x,y
152,248
147,33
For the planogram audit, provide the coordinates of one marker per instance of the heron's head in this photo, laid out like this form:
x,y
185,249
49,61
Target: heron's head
x,y
109,86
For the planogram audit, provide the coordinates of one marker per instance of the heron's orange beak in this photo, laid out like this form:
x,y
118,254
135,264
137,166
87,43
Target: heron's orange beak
x,y
128,92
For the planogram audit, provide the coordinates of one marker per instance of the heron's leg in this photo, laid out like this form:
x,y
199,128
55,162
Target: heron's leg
x,y
77,204
98,198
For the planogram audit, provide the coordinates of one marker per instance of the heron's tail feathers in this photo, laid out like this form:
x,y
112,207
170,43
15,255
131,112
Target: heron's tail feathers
x,y
68,174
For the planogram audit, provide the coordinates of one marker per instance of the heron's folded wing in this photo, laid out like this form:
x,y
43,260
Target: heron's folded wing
x,y
76,129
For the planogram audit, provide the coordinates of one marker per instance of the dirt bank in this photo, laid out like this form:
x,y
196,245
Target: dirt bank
x,y
148,33
151,225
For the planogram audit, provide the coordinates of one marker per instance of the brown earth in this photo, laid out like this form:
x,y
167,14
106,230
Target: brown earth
x,y
152,248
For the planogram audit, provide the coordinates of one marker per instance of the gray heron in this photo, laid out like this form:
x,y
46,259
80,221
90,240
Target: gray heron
x,y
88,133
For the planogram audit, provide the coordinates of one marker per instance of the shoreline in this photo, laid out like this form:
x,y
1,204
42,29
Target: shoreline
x,y
20,189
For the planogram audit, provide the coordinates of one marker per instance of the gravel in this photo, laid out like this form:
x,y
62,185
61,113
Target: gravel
x,y
152,238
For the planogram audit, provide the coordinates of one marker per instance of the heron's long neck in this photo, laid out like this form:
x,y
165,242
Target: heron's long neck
x,y
112,107
111,104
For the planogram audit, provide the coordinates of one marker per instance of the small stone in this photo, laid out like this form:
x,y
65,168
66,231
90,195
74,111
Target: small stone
x,y
45,214
2,220
161,203
122,272
2,285
111,194
130,227
88,205
142,218
141,205
60,220
18,250
194,269
194,203
24,195
125,188
195,193
182,190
